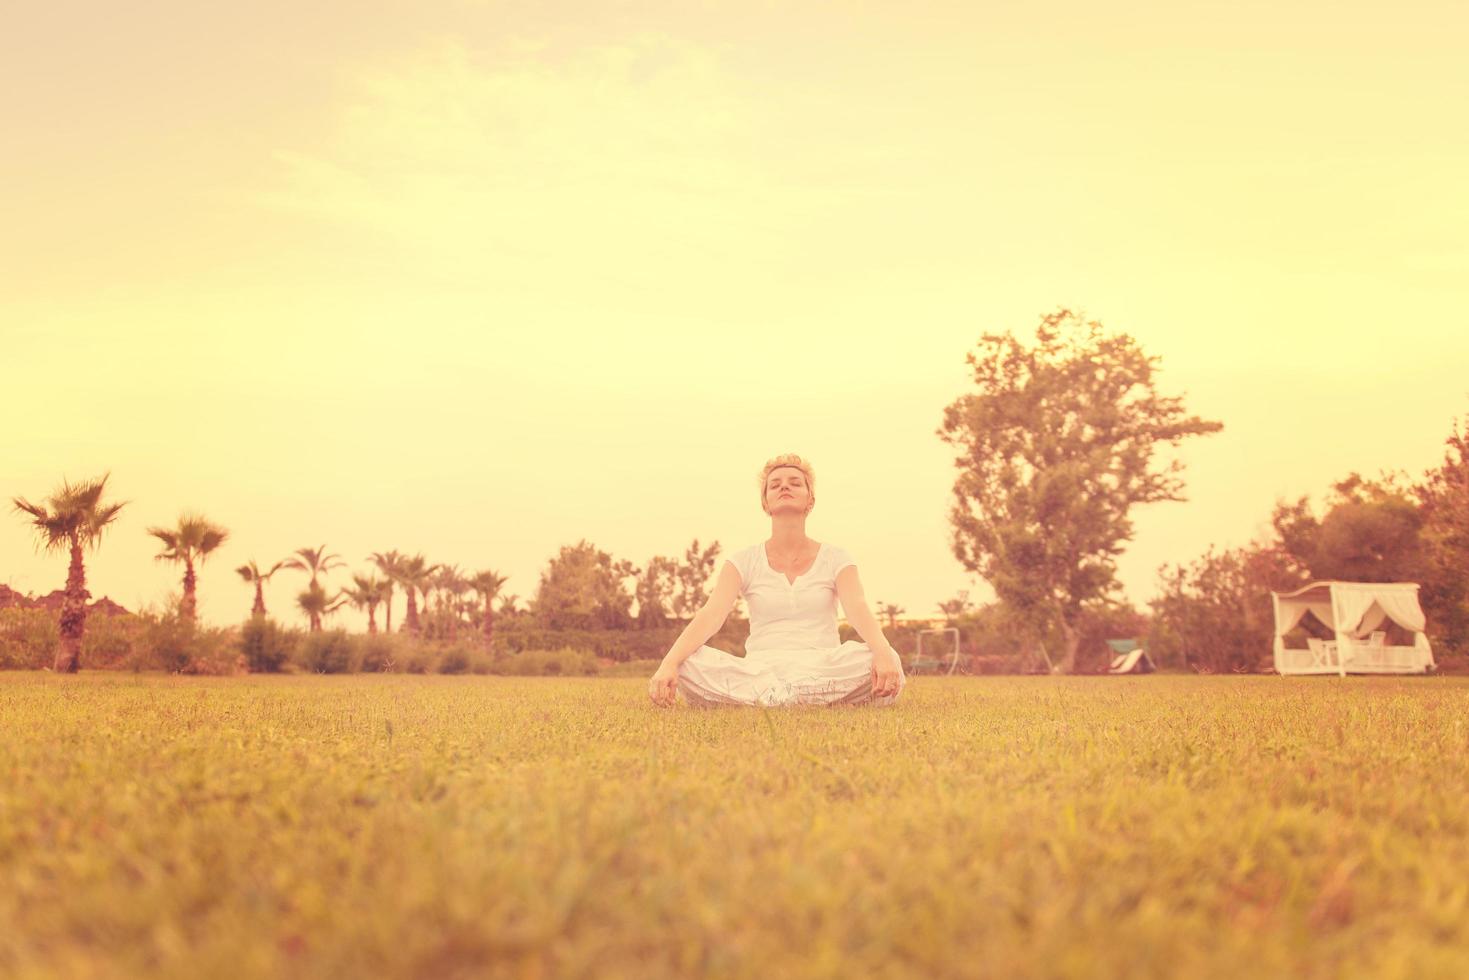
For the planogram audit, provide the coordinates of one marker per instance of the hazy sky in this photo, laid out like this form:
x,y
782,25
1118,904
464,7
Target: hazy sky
x,y
483,279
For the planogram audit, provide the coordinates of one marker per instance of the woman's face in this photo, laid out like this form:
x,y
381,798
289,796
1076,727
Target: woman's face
x,y
786,491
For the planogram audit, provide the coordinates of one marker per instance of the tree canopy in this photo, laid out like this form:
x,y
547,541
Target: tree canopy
x,y
582,588
1056,446
1371,532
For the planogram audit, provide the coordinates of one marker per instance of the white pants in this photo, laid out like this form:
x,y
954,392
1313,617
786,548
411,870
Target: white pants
x,y
840,675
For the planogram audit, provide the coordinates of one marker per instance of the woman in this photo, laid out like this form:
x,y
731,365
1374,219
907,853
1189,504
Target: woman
x,y
792,583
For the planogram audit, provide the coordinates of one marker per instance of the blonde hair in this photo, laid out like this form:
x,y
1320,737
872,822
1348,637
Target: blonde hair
x,y
788,459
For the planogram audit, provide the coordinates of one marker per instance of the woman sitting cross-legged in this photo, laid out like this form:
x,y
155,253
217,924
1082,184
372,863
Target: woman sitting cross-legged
x,y
792,584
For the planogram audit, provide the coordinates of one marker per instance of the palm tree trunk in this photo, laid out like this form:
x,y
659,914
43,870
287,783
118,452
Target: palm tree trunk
x,y
73,615
259,608
389,603
372,617
191,585
489,625
410,618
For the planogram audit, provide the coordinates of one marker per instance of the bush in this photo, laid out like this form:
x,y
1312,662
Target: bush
x,y
265,645
169,643
28,639
111,641
456,659
565,662
378,652
328,652
419,659
620,644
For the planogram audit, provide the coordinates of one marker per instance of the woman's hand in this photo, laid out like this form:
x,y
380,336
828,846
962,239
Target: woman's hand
x,y
887,673
662,685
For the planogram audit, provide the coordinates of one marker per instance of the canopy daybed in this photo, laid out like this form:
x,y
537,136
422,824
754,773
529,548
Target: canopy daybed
x,y
1358,616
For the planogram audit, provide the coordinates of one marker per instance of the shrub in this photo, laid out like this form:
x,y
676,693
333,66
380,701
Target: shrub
x,y
28,639
111,641
455,659
169,643
419,658
620,644
378,652
328,652
265,645
564,662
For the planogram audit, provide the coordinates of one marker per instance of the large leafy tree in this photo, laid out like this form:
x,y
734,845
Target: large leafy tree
x,y
582,588
189,544
252,574
1056,447
654,590
1215,615
487,584
71,520
1371,532
1444,498
692,573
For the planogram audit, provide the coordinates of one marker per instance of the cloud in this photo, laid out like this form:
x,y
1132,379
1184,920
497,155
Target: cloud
x,y
528,148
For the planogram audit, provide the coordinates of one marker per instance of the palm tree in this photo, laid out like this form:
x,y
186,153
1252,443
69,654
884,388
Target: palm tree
x,y
451,585
487,583
72,519
190,542
366,592
892,613
316,561
315,603
390,563
385,592
251,572
414,574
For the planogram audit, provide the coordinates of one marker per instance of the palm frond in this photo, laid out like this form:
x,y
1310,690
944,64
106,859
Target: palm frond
x,y
211,539
38,511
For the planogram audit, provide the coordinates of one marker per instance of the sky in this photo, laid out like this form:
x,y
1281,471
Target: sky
x,y
480,279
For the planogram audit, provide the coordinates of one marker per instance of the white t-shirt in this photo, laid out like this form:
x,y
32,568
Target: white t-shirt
x,y
786,615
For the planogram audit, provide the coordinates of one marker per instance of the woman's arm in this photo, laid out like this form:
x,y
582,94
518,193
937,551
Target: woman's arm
x,y
706,623
708,619
887,668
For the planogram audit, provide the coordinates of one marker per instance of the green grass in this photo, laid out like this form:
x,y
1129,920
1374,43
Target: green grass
x,y
467,826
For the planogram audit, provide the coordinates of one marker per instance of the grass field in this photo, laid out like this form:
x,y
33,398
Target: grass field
x,y
468,826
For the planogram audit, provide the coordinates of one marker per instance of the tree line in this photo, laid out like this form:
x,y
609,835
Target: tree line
x,y
1060,438
582,587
